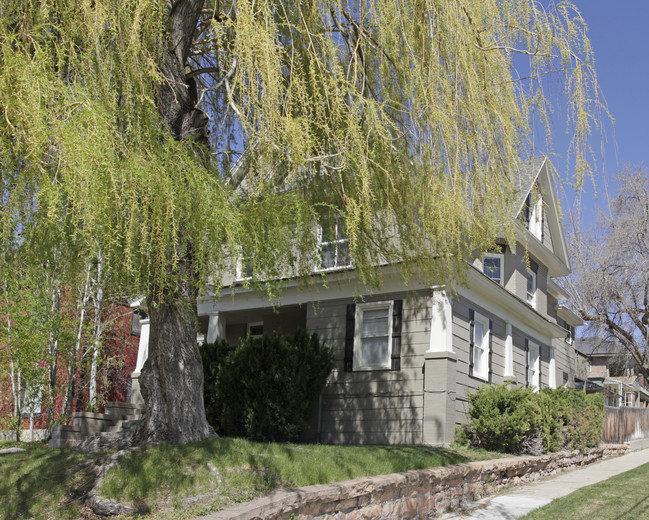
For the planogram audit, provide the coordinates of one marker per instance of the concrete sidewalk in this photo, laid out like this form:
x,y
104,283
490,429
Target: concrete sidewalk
x,y
520,500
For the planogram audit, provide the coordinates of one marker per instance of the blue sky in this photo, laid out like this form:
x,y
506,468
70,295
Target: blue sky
x,y
618,32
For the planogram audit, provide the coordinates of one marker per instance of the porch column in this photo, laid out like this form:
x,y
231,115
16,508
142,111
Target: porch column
x,y
441,323
142,354
215,327
440,374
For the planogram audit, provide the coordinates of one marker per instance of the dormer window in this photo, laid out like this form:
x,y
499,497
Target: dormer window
x,y
536,219
534,216
333,246
492,266
243,270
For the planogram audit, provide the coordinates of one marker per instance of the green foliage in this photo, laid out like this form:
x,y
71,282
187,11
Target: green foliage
x,y
518,420
265,387
501,418
381,112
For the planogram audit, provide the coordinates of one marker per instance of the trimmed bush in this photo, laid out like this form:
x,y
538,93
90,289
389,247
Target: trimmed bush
x,y
265,387
517,420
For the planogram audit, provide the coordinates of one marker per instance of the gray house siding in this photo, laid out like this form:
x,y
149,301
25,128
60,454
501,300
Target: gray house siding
x,y
376,406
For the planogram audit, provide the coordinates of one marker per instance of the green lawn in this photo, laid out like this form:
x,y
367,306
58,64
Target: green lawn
x,y
49,483
623,497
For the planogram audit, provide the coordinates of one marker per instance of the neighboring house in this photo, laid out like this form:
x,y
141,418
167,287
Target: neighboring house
x,y
613,372
119,345
406,357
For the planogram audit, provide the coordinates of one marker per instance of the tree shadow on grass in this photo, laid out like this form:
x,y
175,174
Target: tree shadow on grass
x,y
40,480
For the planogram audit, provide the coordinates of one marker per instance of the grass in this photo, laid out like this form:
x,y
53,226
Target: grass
x,y
50,483
623,497
40,482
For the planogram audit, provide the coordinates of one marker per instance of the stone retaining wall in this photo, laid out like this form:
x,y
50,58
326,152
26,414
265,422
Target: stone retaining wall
x,y
412,494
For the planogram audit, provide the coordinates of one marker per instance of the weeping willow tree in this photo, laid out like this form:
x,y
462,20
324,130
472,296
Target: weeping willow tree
x,y
177,135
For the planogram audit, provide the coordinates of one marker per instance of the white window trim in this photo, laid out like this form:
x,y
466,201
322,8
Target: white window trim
x,y
335,242
358,327
534,368
501,257
531,297
481,372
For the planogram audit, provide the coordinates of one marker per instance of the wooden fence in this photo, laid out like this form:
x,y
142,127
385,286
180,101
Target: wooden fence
x,y
625,424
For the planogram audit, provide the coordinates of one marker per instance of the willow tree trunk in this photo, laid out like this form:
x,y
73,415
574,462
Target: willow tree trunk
x,y
172,377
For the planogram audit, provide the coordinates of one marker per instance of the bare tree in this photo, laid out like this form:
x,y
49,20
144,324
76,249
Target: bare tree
x,y
610,285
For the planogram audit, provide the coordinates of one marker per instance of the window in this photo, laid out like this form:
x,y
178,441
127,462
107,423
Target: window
x,y
629,399
531,287
244,270
533,213
492,266
480,343
333,246
136,326
570,334
534,366
536,219
256,329
373,336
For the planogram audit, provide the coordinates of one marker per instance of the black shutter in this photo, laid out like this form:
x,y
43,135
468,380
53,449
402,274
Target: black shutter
x,y
527,362
471,339
350,331
397,311
540,363
491,350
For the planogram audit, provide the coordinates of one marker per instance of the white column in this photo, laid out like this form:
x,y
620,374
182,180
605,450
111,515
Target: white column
x,y
142,355
143,348
509,351
441,323
552,376
215,327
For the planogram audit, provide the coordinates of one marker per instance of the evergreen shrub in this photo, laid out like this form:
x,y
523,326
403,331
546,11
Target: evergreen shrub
x,y
518,420
265,387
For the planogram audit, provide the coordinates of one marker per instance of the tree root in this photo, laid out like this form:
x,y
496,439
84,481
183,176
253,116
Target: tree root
x,y
106,507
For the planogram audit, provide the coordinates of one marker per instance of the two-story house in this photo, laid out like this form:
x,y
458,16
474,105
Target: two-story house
x,y
613,372
406,358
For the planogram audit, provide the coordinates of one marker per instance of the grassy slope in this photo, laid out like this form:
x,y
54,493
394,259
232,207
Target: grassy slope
x,y
41,483
44,483
623,497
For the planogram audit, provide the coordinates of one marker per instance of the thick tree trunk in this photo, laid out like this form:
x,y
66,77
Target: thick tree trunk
x,y
172,379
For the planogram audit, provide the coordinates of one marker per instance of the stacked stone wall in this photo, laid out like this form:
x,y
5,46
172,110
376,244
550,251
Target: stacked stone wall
x,y
412,494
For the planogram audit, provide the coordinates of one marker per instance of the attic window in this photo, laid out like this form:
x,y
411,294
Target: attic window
x,y
243,269
536,218
333,246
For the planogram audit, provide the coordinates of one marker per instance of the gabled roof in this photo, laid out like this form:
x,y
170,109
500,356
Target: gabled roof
x,y
538,171
594,346
524,180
